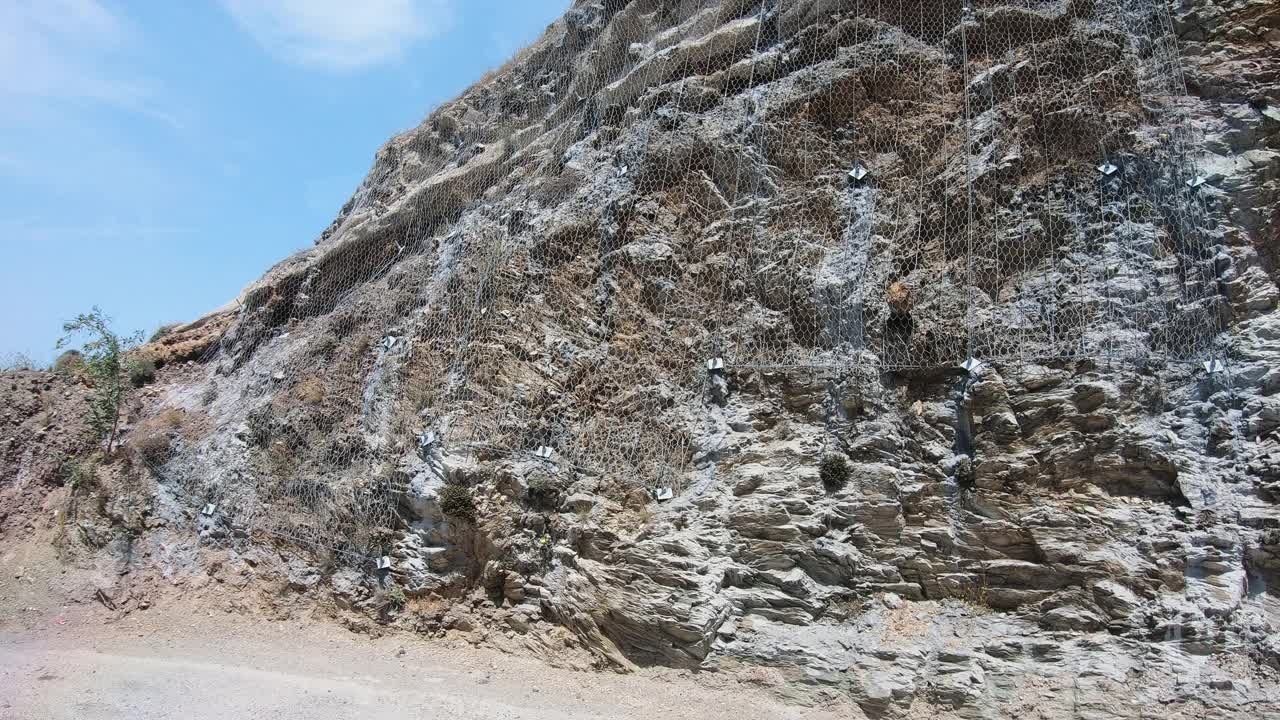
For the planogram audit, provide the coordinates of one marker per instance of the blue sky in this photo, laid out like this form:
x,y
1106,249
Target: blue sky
x,y
157,156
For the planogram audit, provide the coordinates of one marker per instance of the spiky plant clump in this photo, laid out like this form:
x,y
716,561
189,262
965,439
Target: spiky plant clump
x,y
456,502
834,472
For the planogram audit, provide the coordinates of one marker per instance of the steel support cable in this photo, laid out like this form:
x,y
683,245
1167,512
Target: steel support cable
x,y
941,182
1166,176
887,182
1055,300
1186,146
851,222
731,251
758,109
966,13
1097,107
671,303
917,244
1027,337
1146,169
682,72
984,258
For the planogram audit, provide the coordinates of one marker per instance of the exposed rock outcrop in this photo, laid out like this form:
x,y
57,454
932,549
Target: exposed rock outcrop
x,y
533,295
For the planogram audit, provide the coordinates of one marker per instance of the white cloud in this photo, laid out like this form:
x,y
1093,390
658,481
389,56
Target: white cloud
x,y
60,51
70,71
340,34
81,108
109,229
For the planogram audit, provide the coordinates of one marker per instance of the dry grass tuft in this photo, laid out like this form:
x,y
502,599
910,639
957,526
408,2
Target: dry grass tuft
x,y
310,391
152,440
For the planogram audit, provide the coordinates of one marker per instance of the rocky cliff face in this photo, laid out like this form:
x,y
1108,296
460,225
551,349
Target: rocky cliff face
x,y
573,355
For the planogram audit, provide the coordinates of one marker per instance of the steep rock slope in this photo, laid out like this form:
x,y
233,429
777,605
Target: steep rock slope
x,y
519,305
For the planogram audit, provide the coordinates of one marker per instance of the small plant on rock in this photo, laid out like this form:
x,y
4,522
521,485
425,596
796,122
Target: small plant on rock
x,y
152,440
142,370
834,472
78,473
153,448
543,491
163,331
69,364
80,476
324,345
261,426
310,391
393,598
456,501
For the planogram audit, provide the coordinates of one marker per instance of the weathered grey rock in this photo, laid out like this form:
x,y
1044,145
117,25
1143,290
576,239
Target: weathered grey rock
x,y
348,587
301,576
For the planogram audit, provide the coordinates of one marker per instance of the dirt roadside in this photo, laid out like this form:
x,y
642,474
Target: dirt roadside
x,y
197,665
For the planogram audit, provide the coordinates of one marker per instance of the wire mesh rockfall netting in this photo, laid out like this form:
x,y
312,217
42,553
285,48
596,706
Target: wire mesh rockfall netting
x,y
1012,181
539,273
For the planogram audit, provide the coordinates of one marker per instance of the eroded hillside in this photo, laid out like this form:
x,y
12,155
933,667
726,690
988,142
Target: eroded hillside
x,y
573,355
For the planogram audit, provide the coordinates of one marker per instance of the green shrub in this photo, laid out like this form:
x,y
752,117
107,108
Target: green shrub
x,y
79,473
392,598
456,502
142,370
834,472
164,330
106,363
69,364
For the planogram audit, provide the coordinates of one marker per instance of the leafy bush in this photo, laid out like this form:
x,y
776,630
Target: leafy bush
x,y
105,357
69,363
78,473
834,472
456,501
392,598
142,370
